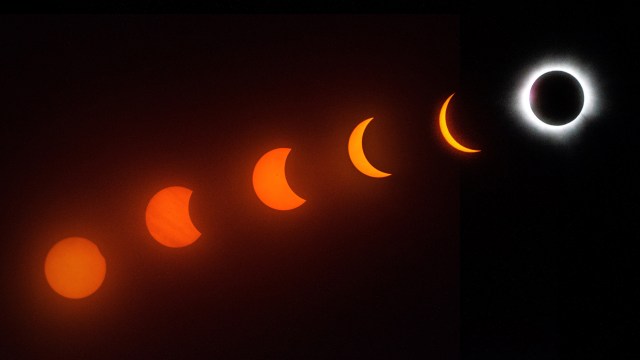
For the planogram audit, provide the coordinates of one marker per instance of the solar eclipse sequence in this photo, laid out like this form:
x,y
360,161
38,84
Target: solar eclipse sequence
x,y
554,100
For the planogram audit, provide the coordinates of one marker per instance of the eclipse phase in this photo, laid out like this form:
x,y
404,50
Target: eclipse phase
x,y
523,103
556,98
445,130
270,181
168,218
356,152
75,267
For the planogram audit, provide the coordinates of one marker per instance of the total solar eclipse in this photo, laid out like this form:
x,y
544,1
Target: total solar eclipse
x,y
556,98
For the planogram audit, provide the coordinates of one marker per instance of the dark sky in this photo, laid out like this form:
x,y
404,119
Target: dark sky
x,y
522,251
101,112
548,227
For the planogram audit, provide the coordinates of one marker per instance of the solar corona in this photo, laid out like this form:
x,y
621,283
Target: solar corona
x,y
556,99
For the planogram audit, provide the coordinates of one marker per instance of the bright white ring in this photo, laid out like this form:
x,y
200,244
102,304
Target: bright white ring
x,y
524,106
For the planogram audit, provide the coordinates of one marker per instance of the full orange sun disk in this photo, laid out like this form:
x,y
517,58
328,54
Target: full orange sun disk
x,y
75,268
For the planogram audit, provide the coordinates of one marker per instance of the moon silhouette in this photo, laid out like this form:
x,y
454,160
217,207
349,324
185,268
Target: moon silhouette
x,y
445,130
270,181
564,131
556,98
75,268
356,152
168,218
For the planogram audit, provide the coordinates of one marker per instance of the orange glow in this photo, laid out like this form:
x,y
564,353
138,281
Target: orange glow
x,y
75,268
356,152
168,218
445,130
270,182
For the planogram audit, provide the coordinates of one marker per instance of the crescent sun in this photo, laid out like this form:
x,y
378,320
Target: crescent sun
x,y
356,152
445,130
270,181
168,218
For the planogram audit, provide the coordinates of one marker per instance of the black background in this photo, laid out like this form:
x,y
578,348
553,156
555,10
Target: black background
x,y
547,226
521,251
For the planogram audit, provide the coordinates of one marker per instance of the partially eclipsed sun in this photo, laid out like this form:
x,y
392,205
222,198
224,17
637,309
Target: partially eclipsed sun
x,y
168,218
445,130
270,181
356,152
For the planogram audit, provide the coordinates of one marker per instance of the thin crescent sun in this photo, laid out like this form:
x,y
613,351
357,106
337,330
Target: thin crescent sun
x,y
445,130
356,152
270,181
168,219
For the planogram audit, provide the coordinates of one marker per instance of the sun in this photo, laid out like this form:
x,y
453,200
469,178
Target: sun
x,y
522,103
75,267
356,152
445,130
168,219
270,181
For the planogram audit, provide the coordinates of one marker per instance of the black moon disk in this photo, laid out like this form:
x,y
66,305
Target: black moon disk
x,y
556,98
